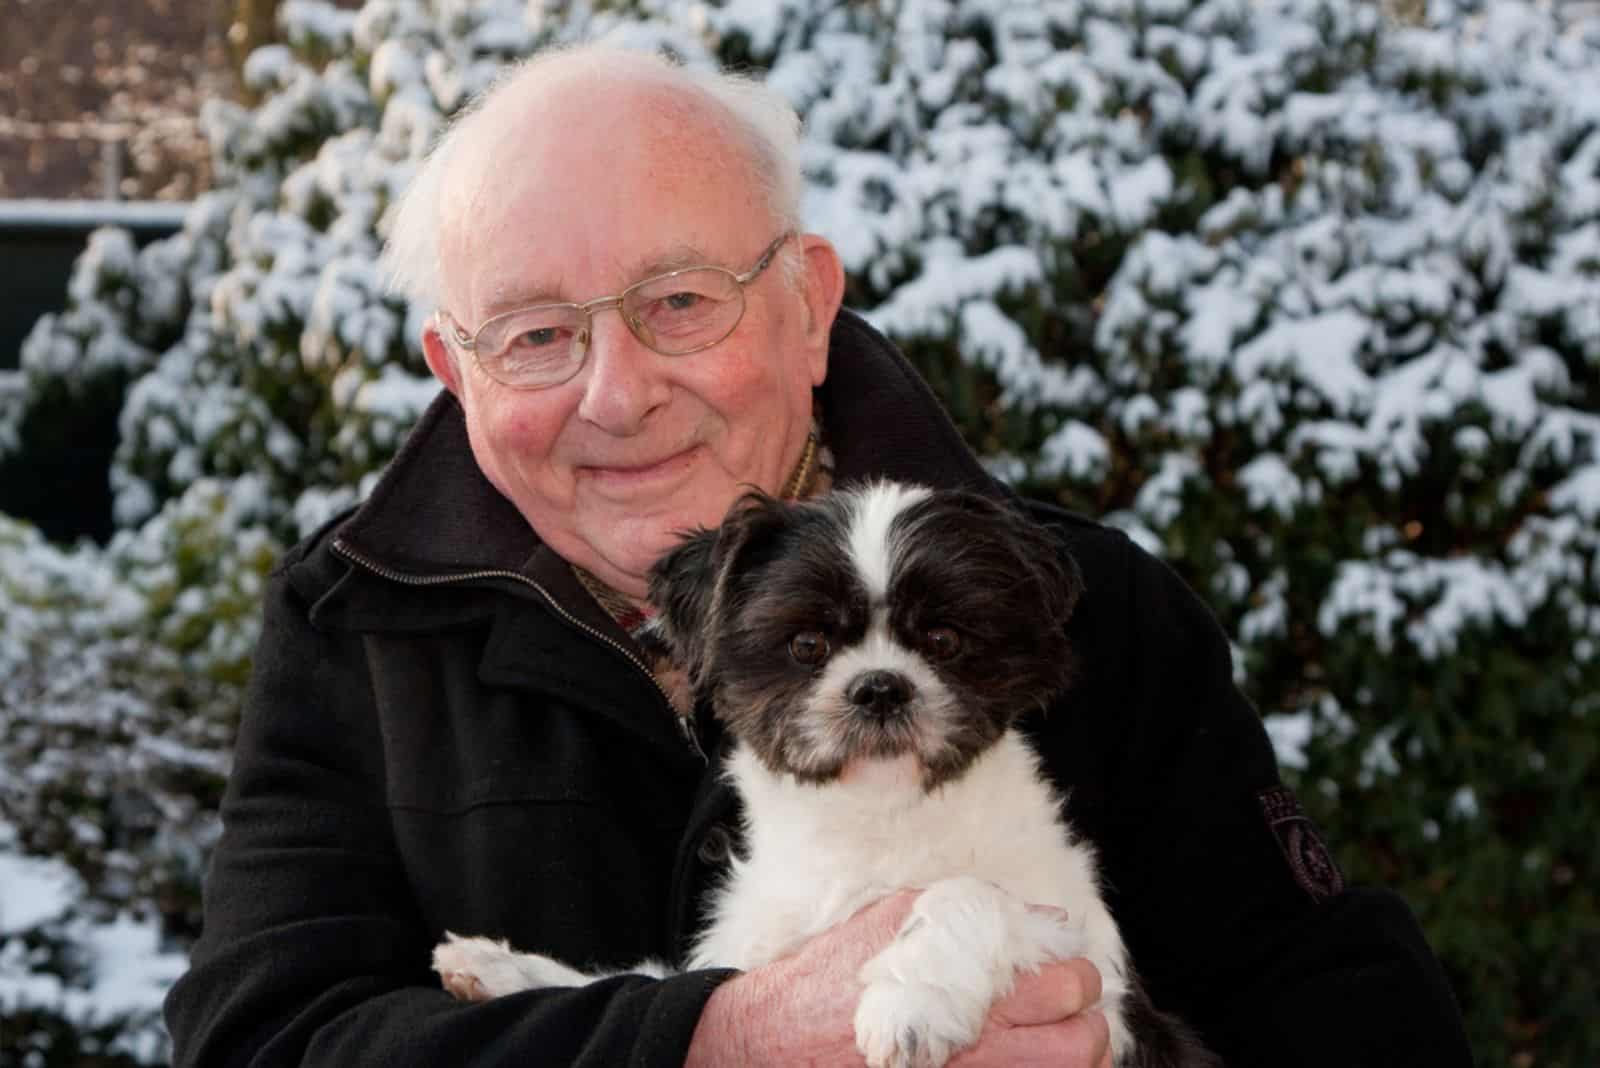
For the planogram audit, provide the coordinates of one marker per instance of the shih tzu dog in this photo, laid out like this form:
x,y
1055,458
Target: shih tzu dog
x,y
869,654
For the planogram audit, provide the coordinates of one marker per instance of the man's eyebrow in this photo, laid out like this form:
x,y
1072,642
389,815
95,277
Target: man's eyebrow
x,y
675,258
649,265
520,300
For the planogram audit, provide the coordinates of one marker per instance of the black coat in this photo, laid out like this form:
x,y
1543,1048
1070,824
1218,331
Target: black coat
x,y
444,732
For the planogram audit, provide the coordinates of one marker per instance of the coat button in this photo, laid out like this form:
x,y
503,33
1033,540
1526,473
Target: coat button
x,y
716,846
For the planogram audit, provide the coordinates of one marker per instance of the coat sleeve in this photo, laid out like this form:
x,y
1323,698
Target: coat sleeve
x,y
1233,912
313,952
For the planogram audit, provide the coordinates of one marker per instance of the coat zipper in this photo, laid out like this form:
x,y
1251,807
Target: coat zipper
x,y
686,725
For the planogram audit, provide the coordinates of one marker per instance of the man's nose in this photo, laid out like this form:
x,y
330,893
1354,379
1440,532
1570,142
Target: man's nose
x,y
623,381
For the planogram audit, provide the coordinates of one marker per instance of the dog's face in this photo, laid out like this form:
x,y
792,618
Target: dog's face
x,y
874,624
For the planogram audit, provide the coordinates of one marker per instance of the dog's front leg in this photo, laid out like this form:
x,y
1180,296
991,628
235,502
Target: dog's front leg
x,y
958,952
477,969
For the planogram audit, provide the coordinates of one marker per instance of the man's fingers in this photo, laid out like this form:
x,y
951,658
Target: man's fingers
x,y
1056,991
1082,1041
886,914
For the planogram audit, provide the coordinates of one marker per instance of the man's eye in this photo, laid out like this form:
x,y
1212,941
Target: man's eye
x,y
682,301
809,647
541,337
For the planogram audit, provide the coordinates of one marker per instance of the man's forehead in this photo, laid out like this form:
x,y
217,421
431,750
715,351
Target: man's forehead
x,y
550,209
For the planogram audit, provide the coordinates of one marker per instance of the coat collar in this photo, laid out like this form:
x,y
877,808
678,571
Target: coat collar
x,y
433,512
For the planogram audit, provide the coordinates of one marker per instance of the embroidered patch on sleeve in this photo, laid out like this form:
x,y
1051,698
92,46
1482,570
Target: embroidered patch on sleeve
x,y
1310,862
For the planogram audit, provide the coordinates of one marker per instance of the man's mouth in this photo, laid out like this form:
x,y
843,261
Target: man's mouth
x,y
640,473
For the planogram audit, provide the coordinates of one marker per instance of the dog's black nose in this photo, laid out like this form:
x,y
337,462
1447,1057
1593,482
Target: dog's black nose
x,y
879,692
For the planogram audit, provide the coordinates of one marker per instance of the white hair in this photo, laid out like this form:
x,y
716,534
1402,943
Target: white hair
x,y
757,119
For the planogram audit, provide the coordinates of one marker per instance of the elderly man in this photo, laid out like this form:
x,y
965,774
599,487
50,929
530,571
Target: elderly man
x,y
453,726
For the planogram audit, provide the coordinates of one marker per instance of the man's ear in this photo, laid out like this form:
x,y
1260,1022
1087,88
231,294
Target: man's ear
x,y
441,358
823,292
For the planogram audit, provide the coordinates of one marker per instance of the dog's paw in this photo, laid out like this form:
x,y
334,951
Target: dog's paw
x,y
910,1025
927,993
477,969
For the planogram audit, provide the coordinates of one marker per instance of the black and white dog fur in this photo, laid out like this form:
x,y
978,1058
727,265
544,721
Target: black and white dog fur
x,y
869,653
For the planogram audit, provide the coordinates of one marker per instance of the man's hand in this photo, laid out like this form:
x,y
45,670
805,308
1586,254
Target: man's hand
x,y
800,1010
1046,1020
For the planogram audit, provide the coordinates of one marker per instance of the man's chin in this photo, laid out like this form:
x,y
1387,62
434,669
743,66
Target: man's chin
x,y
622,552
625,539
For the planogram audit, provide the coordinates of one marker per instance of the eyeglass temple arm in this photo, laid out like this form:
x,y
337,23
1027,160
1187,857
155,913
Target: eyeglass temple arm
x,y
766,258
448,325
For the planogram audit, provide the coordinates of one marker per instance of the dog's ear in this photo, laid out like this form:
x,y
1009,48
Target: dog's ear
x,y
1038,553
681,585
689,585
1056,570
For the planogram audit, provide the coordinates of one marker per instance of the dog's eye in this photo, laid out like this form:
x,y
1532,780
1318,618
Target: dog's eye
x,y
942,643
809,647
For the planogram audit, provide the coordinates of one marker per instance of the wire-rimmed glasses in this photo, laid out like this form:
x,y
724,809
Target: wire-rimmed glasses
x,y
675,313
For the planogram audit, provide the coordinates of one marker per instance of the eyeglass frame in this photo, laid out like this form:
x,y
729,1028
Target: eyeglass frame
x,y
469,342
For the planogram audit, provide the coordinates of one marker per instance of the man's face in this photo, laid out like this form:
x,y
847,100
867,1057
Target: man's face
x,y
590,195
